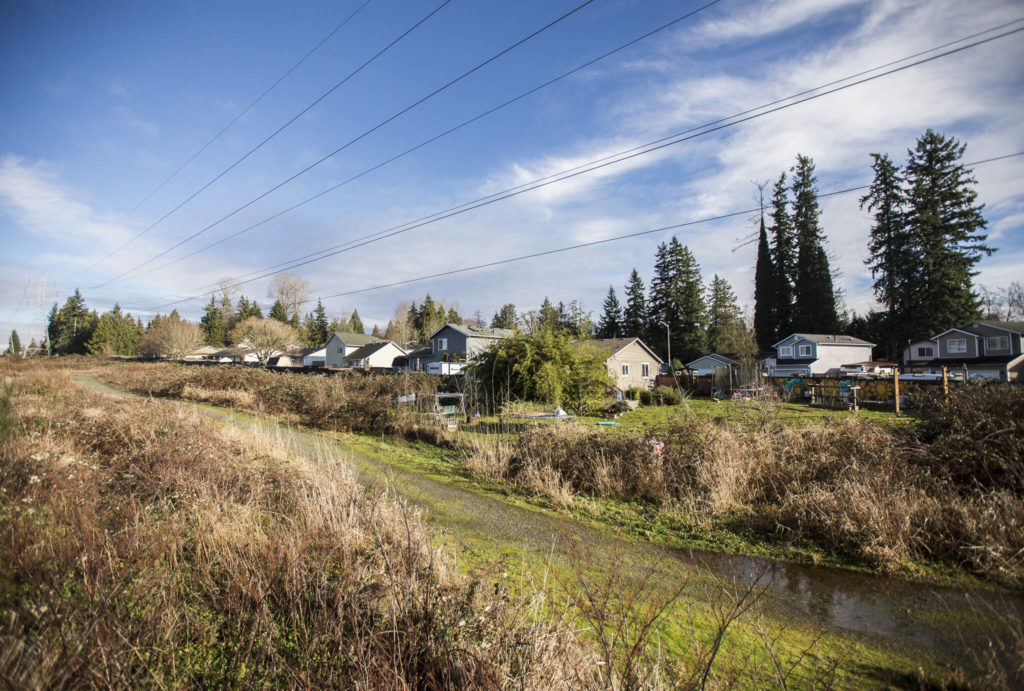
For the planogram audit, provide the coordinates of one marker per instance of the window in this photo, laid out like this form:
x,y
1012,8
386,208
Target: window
x,y
786,351
925,352
805,351
625,369
645,370
956,345
997,343
442,344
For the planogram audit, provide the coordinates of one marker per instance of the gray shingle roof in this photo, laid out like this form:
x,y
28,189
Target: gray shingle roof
x,y
367,350
835,339
476,331
350,339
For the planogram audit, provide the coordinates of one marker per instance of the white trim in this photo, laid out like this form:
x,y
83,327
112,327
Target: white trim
x,y
800,350
966,333
786,351
624,369
958,341
991,347
645,370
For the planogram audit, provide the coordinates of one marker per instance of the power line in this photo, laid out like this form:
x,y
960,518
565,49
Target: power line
x,y
354,140
213,139
593,243
441,135
271,136
593,165
527,93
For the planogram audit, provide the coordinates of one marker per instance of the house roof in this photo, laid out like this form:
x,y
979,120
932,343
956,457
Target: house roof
x,y
965,333
613,346
312,351
422,352
475,331
351,339
829,339
721,357
1015,327
369,349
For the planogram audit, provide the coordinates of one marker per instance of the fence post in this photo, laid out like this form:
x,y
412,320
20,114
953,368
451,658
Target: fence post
x,y
945,383
896,388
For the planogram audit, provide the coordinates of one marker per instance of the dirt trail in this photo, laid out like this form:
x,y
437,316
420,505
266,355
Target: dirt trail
x,y
931,620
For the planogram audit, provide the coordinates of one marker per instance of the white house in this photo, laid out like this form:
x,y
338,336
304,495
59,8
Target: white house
x,y
631,364
340,345
706,364
802,355
381,354
314,357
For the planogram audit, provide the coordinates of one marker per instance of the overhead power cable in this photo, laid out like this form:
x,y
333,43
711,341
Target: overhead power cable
x,y
353,140
438,136
628,154
594,243
215,137
534,255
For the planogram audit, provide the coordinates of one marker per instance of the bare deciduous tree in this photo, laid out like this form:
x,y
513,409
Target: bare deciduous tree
x,y
264,338
172,338
292,290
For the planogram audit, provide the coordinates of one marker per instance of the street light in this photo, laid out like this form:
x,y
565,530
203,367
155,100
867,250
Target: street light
x,y
668,338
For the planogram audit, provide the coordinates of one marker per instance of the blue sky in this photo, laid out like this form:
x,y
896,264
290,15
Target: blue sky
x,y
104,100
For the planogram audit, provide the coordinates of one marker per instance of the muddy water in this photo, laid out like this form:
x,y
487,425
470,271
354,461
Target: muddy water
x,y
947,623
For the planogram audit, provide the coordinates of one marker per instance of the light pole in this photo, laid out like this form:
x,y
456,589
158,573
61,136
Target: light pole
x,y
668,338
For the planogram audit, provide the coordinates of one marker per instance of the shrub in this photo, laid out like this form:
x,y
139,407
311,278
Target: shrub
x,y
666,395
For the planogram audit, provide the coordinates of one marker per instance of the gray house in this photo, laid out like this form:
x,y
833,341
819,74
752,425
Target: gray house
x,y
341,345
803,355
453,344
987,349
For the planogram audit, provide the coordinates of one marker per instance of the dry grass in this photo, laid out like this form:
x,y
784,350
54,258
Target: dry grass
x,y
141,545
848,486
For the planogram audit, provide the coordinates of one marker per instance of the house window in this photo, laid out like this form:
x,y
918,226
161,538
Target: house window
x,y
997,343
625,369
645,370
805,351
956,345
925,352
442,344
786,351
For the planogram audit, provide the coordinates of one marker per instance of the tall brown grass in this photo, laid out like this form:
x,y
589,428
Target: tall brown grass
x,y
141,545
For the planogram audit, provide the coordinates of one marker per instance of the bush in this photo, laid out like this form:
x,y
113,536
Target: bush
x,y
666,395
645,397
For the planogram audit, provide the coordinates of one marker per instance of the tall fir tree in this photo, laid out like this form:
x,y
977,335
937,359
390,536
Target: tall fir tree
x,y
677,300
246,308
891,259
355,324
505,318
316,332
610,325
814,306
116,333
784,256
70,327
723,316
547,318
278,312
14,343
634,315
765,327
212,325
944,223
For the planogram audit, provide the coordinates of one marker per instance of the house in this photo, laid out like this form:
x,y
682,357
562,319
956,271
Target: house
x,y
878,368
919,354
314,357
454,343
298,357
631,364
986,349
205,352
706,364
380,355
803,355
340,345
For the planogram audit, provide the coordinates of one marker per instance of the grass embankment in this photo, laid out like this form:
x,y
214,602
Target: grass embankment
x,y
142,545
755,479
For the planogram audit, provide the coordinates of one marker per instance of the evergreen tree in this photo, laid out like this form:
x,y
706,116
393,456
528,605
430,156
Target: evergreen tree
x,y
814,308
70,327
891,258
453,316
14,344
278,312
765,327
944,223
784,259
505,318
337,325
116,333
548,317
677,299
246,309
610,325
634,316
723,317
316,331
355,324
212,325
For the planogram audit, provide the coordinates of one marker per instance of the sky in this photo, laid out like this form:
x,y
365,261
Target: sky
x,y
104,101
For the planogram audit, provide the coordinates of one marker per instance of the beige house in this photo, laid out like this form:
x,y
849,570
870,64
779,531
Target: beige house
x,y
631,364
340,345
379,355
